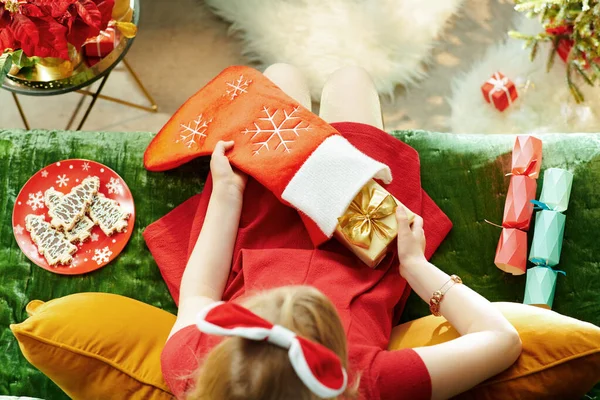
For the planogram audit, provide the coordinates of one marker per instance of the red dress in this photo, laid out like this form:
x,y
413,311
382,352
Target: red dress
x,y
273,249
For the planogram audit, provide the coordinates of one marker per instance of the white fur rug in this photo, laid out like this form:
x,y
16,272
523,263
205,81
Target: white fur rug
x,y
545,107
389,38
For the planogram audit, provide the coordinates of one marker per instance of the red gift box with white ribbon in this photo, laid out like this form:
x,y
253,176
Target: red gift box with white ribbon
x,y
499,91
101,45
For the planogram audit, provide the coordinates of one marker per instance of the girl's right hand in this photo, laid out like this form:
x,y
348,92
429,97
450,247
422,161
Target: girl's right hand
x,y
225,177
411,239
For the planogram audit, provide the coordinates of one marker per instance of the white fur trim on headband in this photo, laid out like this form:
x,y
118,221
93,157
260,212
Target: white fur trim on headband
x,y
329,179
306,376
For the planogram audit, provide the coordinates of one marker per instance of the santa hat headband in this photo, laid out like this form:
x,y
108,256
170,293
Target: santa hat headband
x,y
318,367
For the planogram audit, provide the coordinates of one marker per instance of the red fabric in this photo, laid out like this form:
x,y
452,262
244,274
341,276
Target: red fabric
x,y
273,249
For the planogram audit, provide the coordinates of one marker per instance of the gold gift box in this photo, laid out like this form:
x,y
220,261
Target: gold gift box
x,y
369,226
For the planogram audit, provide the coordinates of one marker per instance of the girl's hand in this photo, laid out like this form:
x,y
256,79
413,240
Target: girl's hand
x,y
411,239
226,178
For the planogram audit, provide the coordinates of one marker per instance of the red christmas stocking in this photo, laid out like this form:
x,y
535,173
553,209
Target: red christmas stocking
x,y
303,160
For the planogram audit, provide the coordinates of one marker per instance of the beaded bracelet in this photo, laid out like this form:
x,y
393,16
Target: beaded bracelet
x,y
438,295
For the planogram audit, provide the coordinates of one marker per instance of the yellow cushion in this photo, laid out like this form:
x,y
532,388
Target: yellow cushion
x,y
560,358
97,345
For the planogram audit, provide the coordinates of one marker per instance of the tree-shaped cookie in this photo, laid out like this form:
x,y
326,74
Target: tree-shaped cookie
x,y
51,243
82,229
108,214
72,207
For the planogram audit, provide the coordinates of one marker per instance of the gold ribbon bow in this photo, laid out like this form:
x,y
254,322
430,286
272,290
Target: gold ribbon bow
x,y
364,216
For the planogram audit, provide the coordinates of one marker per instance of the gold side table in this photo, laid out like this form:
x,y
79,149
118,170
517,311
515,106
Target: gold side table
x,y
43,84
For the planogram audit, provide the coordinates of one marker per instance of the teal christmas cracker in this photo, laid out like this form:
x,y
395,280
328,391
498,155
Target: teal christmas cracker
x,y
540,286
557,189
547,238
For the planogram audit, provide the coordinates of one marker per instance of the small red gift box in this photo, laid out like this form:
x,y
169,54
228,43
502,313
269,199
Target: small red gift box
x,y
91,61
101,45
500,91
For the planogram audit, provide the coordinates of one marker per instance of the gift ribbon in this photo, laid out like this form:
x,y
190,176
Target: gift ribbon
x,y
364,216
529,171
493,224
127,29
538,205
105,34
499,84
542,263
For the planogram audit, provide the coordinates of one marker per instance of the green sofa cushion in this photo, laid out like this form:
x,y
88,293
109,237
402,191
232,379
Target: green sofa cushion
x,y
464,174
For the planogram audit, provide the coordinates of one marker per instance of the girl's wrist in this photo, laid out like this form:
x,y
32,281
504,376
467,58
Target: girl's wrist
x,y
228,192
409,264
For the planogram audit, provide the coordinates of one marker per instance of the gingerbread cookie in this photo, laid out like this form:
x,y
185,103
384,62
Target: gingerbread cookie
x,y
82,229
72,207
50,243
108,214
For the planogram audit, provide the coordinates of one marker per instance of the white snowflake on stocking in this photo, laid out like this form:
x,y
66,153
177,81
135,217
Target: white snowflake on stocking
x,y
102,255
114,186
193,132
85,166
95,237
44,174
62,180
36,200
18,229
238,87
282,131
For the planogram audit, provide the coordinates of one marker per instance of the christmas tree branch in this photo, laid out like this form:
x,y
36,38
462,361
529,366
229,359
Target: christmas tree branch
x,y
573,28
577,95
534,5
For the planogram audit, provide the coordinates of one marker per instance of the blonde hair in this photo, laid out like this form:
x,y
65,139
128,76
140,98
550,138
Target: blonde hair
x,y
239,369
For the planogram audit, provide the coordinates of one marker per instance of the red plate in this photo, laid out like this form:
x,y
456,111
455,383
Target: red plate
x,y
63,176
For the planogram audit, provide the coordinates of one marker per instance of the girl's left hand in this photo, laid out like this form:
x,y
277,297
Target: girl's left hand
x,y
224,176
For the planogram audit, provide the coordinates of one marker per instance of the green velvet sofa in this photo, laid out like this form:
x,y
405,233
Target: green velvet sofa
x,y
464,174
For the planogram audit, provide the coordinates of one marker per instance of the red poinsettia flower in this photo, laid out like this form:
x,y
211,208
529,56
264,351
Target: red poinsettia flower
x,y
44,28
7,40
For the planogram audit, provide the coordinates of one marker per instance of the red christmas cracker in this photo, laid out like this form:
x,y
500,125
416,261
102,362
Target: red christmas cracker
x,y
518,207
511,253
527,156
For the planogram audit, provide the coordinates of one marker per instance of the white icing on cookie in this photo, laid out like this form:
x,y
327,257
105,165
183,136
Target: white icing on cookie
x,y
52,198
108,215
72,207
51,243
81,231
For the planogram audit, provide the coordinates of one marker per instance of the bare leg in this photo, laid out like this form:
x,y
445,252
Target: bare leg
x,y
290,80
349,95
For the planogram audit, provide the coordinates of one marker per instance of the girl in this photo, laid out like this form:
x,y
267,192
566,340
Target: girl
x,y
332,316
